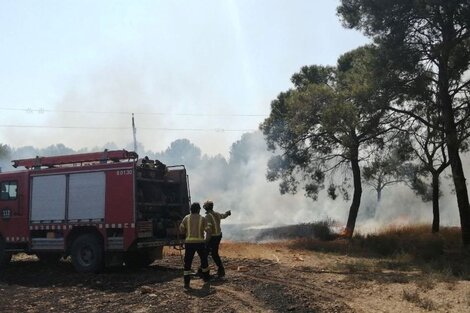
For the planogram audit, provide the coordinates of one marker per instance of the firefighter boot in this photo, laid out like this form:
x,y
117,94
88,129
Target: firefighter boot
x,y
206,276
199,272
187,279
221,271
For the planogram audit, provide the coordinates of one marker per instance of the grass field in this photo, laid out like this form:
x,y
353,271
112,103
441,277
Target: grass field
x,y
405,246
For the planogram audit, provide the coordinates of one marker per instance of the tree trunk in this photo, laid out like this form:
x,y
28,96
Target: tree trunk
x,y
356,201
460,189
445,101
435,203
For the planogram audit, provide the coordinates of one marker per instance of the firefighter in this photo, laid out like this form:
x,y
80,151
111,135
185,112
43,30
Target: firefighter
x,y
216,234
195,225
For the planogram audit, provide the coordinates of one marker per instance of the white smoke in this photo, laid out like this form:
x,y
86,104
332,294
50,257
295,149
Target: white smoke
x,y
239,184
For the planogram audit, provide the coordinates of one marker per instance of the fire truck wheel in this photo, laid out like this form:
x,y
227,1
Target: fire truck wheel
x,y
87,254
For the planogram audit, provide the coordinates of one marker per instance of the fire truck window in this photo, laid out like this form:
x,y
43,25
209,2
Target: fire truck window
x,y
8,190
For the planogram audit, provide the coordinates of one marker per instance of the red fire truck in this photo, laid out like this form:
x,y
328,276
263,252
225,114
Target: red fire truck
x,y
103,208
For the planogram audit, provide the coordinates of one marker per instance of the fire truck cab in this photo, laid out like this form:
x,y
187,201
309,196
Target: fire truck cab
x,y
104,208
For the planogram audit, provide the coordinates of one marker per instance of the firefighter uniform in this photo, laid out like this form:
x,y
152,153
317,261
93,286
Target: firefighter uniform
x,y
216,234
195,225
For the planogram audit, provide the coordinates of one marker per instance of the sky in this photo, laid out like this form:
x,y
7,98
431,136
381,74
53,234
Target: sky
x,y
73,72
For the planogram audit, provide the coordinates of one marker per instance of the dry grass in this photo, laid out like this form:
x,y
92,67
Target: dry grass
x,y
401,248
318,230
408,248
422,302
427,282
356,266
416,240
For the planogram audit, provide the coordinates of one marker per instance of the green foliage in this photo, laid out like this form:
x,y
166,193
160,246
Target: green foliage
x,y
425,46
312,74
324,121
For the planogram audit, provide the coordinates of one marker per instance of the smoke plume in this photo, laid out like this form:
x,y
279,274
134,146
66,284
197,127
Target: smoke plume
x,y
238,183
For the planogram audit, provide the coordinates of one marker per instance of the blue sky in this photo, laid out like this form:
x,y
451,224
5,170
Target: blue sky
x,y
202,70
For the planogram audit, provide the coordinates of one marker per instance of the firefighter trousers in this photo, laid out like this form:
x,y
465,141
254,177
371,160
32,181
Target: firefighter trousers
x,y
213,247
190,250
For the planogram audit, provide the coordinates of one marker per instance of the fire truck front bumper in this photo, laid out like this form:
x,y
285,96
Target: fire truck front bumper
x,y
149,243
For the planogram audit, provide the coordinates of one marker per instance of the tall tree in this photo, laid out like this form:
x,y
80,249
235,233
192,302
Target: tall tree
x,y
387,166
4,154
326,121
181,151
427,39
4,151
429,148
433,157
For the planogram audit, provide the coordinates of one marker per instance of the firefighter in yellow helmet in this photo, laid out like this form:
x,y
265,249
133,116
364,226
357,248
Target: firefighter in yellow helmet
x,y
195,225
216,234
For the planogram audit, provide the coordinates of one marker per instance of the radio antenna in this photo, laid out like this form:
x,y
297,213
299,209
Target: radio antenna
x,y
134,132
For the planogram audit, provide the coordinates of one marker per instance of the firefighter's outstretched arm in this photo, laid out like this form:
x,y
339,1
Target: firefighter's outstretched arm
x,y
225,215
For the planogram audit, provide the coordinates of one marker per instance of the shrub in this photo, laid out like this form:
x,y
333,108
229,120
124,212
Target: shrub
x,y
417,241
318,230
382,245
322,230
414,297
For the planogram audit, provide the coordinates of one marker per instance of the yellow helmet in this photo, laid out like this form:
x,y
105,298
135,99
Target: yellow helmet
x,y
208,205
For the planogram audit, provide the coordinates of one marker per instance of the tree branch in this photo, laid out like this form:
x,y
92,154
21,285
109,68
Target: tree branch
x,y
417,117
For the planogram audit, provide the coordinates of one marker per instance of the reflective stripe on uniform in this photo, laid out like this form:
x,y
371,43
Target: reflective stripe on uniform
x,y
217,230
187,273
205,270
198,238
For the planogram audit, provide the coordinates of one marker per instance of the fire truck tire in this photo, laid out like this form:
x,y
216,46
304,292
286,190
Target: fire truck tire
x,y
87,254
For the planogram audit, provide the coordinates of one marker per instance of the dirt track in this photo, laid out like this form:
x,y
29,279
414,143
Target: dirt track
x,y
260,278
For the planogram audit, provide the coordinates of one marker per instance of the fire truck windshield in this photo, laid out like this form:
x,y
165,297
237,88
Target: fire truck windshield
x,y
8,190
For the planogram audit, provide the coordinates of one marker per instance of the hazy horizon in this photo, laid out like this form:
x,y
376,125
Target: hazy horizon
x,y
238,182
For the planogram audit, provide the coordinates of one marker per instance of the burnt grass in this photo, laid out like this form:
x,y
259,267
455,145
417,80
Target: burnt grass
x,y
318,230
28,285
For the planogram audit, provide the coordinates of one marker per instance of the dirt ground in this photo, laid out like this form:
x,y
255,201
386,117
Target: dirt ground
x,y
269,277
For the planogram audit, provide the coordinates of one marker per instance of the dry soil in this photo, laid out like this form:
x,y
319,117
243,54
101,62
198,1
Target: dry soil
x,y
270,277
